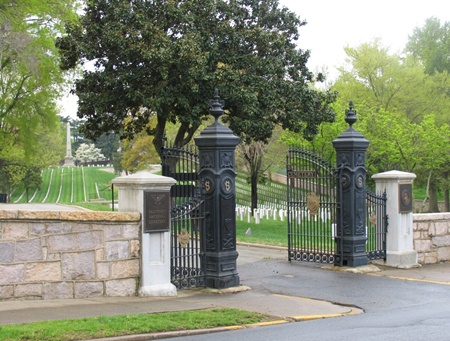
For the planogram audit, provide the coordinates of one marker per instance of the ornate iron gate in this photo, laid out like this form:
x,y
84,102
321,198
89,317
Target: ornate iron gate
x,y
187,216
312,205
376,227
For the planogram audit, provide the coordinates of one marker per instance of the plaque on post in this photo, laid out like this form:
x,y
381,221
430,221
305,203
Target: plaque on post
x,y
156,211
405,198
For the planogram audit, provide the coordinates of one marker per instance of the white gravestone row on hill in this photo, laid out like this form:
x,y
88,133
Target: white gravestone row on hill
x,y
244,213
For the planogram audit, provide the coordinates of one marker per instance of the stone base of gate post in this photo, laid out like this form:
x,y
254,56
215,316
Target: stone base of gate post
x,y
149,194
400,251
402,259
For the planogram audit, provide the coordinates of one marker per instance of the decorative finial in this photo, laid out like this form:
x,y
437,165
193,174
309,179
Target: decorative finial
x,y
350,114
216,105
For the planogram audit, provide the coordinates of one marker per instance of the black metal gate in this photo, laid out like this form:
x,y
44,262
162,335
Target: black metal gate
x,y
187,216
312,205
376,227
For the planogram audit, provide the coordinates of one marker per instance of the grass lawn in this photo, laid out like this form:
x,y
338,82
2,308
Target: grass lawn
x,y
95,206
269,232
109,326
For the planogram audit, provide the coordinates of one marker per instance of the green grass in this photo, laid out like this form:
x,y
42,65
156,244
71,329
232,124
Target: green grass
x,y
78,189
419,193
66,185
309,235
89,178
55,186
95,206
109,326
40,194
269,232
69,185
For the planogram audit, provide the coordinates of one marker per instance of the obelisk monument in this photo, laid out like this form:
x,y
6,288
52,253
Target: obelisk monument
x,y
68,160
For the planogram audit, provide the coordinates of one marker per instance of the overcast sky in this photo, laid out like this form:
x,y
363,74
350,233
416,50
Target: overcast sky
x,y
333,24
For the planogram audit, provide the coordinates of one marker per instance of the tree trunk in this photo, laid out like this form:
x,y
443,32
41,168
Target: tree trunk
x,y
446,194
434,207
158,137
447,200
254,188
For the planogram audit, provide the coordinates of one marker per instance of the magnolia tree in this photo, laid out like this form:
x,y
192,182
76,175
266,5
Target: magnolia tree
x,y
88,152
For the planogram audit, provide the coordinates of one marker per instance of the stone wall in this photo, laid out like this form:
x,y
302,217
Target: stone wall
x,y
53,254
432,237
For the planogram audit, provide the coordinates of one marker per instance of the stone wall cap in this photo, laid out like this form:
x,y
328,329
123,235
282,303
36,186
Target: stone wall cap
x,y
394,174
41,207
66,215
444,216
143,177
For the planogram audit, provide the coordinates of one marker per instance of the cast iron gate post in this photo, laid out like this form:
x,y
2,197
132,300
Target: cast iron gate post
x,y
351,236
216,145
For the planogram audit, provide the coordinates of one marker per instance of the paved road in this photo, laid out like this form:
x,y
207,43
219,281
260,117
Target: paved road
x,y
395,309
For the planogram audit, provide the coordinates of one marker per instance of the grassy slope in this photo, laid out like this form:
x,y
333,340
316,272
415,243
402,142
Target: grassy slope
x,y
66,188
67,185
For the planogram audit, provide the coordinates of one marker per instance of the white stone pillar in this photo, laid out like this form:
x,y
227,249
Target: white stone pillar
x,y
155,245
400,251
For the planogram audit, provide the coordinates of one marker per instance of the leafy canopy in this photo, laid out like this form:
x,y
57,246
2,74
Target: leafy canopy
x,y
165,58
431,44
30,84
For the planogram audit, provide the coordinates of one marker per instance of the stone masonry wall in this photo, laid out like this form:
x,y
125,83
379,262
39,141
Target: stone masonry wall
x,y
432,237
52,254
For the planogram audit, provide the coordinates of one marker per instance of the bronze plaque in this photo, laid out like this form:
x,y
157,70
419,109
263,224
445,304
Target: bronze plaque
x,y
405,198
156,211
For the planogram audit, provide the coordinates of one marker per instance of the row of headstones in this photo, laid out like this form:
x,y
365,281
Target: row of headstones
x,y
244,213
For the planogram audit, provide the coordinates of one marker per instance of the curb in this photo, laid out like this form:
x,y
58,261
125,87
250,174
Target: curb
x,y
182,333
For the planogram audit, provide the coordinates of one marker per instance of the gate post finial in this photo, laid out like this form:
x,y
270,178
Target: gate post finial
x,y
350,114
216,105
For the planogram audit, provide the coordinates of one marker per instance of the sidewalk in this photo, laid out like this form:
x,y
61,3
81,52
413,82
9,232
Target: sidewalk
x,y
284,307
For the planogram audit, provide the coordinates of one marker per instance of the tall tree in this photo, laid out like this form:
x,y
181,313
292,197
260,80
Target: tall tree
x,y
29,65
431,45
259,159
138,153
108,143
379,80
395,99
166,58
30,80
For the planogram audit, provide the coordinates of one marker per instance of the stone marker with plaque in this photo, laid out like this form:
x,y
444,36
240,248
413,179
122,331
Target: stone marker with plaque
x,y
156,211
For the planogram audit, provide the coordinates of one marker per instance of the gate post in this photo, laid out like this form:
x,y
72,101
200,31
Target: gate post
x,y
400,251
216,145
351,236
149,194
